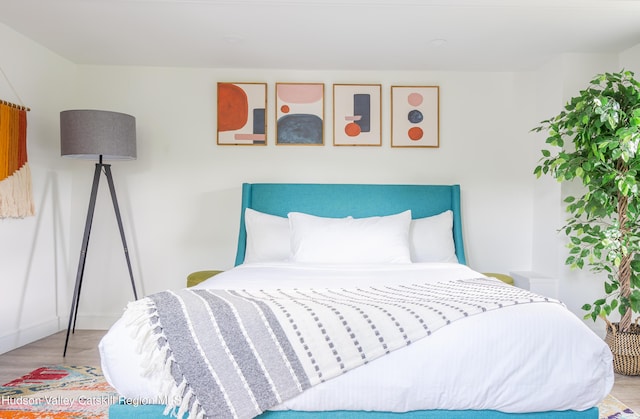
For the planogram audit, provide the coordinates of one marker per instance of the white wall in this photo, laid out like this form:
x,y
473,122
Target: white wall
x,y
34,251
630,60
180,198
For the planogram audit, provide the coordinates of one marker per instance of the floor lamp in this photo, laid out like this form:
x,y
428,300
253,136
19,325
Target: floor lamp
x,y
94,134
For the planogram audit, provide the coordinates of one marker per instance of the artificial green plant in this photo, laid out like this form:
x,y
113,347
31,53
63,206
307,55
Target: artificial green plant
x,y
595,139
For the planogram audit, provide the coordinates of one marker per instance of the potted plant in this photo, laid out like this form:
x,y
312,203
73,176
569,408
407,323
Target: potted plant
x,y
595,140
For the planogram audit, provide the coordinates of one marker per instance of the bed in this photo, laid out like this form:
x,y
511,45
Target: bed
x,y
386,264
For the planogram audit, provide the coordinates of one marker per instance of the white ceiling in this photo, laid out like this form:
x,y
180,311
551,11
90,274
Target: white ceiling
x,y
473,35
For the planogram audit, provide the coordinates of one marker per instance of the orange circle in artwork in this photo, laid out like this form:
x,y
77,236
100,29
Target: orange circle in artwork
x,y
352,129
284,109
415,133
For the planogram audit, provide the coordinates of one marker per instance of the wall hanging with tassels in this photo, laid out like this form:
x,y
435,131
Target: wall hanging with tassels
x,y
15,177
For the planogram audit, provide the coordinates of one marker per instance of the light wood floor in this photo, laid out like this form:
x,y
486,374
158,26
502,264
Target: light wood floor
x,y
83,350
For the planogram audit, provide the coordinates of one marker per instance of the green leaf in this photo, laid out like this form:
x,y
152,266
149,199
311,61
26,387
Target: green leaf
x,y
608,288
614,304
622,309
634,300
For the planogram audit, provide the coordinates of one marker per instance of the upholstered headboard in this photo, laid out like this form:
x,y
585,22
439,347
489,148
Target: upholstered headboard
x,y
357,200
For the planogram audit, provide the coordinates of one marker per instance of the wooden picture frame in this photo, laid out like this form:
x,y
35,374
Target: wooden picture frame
x,y
299,113
415,116
242,113
357,115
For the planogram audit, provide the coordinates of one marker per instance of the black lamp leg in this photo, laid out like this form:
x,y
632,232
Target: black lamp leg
x,y
116,208
83,255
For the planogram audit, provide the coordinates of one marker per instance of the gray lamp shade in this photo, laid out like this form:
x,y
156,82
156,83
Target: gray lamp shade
x,y
89,134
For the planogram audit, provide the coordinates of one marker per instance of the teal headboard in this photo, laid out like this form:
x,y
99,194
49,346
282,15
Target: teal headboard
x,y
342,200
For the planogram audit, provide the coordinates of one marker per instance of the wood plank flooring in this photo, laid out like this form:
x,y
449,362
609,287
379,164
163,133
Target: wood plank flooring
x,y
83,350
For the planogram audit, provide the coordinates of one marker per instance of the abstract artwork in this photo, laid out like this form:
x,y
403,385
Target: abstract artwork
x,y
242,111
299,113
415,116
356,114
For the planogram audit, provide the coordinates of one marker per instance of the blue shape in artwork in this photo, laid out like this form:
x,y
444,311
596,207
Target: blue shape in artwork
x,y
300,129
415,116
362,108
258,121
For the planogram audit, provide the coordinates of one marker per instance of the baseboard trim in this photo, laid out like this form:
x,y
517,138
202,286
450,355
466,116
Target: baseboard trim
x,y
29,334
53,325
95,322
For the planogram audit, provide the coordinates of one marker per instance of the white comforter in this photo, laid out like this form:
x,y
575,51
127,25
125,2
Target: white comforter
x,y
524,358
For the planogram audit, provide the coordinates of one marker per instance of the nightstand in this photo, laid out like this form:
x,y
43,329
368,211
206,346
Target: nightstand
x,y
535,282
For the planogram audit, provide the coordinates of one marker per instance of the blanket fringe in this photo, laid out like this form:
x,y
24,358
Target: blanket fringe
x,y
184,399
142,321
184,406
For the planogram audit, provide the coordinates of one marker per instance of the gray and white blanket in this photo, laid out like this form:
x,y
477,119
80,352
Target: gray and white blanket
x,y
237,353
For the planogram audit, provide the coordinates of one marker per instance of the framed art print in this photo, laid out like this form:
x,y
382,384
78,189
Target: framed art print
x,y
299,113
242,109
415,116
357,114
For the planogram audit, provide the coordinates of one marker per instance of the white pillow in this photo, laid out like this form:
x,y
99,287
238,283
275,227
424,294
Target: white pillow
x,y
267,237
350,240
431,239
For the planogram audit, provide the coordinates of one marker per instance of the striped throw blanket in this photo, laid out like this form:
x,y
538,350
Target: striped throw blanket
x,y
237,353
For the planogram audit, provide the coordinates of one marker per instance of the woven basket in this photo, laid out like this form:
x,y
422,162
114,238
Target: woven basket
x,y
625,347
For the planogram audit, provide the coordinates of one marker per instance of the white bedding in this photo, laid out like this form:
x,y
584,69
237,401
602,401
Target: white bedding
x,y
524,358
